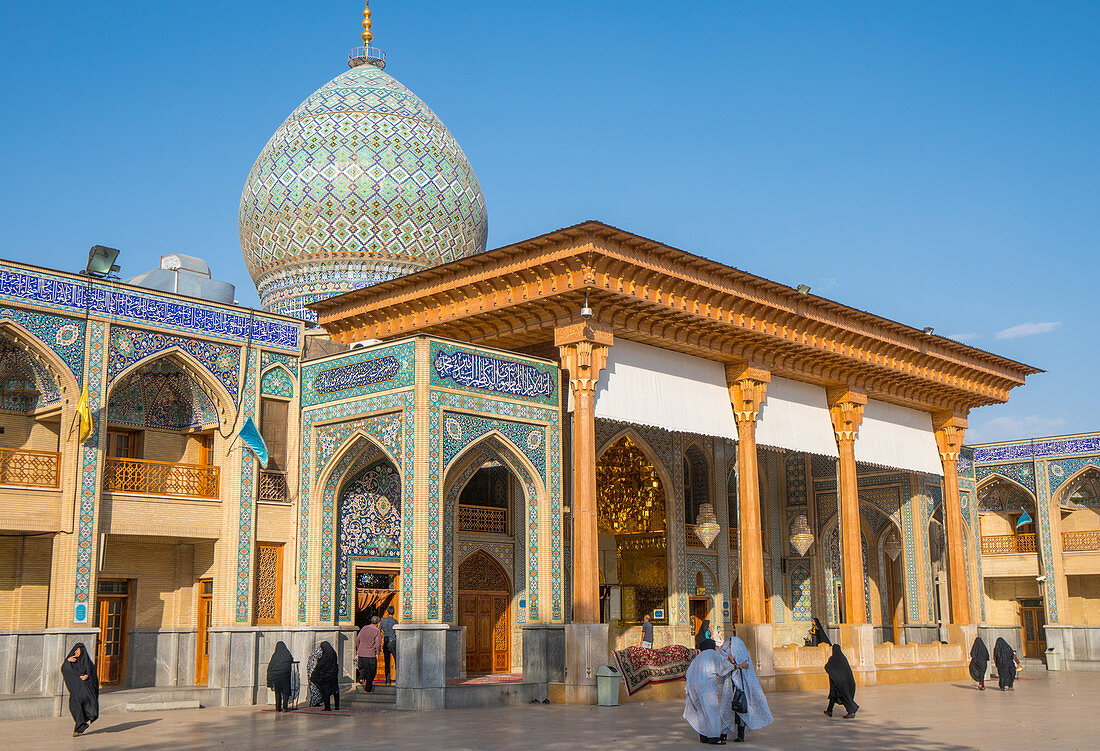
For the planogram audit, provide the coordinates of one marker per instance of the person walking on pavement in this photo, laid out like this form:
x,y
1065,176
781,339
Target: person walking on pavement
x,y
367,643
647,632
389,643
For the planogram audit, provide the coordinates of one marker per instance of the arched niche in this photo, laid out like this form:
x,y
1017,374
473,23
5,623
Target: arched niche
x,y
632,522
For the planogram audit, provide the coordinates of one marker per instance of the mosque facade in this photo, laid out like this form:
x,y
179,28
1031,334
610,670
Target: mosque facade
x,y
523,450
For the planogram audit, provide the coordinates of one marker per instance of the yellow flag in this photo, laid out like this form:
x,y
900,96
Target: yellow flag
x,y
85,416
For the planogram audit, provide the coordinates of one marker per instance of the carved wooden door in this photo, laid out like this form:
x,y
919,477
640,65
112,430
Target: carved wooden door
x,y
483,599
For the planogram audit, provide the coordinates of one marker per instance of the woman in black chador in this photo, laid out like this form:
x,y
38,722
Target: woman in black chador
x,y
278,676
82,683
979,661
326,675
842,684
703,633
818,634
1005,658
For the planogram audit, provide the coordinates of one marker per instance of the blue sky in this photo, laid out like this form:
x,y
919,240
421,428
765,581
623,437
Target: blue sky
x,y
935,163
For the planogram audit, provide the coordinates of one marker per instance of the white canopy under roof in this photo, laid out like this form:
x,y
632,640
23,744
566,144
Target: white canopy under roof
x,y
897,437
659,388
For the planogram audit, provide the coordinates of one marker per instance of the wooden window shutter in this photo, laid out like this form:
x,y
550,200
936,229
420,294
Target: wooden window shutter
x,y
273,423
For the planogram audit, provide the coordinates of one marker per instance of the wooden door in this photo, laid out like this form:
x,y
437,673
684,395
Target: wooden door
x,y
205,613
483,596
111,649
1034,636
485,617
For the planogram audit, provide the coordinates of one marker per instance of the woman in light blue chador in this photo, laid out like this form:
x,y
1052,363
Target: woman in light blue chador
x,y
758,714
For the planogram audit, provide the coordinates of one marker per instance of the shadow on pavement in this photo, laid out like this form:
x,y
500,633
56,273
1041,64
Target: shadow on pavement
x,y
121,727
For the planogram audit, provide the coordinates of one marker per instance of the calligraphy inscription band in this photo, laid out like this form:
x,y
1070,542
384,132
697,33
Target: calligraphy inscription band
x,y
356,374
478,371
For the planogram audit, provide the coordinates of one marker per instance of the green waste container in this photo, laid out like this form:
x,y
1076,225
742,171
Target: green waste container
x,y
607,686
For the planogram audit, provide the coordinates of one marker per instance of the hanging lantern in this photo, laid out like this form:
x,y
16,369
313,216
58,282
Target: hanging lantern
x,y
892,547
706,524
801,536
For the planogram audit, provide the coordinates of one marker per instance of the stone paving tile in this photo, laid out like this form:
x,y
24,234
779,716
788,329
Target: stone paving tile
x,y
1047,711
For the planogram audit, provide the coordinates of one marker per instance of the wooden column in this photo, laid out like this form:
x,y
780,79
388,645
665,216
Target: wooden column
x,y
583,347
950,430
846,410
748,388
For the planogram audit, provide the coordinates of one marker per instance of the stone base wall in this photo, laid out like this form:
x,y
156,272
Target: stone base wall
x,y
239,657
30,669
161,657
1079,646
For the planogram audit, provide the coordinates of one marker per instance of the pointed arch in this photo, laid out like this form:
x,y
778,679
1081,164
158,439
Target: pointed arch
x,y
481,572
222,400
357,456
277,368
1063,489
996,477
351,444
526,515
37,349
663,472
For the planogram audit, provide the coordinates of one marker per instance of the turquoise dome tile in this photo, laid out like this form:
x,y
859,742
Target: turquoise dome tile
x,y
362,183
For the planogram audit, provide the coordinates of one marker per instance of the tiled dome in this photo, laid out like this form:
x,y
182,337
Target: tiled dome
x,y
362,183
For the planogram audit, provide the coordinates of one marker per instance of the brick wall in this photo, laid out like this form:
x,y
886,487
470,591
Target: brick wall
x,y
24,581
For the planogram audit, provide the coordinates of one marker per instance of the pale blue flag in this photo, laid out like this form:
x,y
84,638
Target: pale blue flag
x,y
252,438
1024,518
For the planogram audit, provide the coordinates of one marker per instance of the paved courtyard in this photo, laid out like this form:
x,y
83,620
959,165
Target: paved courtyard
x,y
1047,711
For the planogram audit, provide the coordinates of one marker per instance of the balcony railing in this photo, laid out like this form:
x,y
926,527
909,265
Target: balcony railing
x,y
693,539
273,487
1087,540
160,478
1006,544
482,519
36,469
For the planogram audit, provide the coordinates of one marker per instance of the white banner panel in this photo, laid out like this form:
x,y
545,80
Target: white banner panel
x,y
898,437
795,416
664,389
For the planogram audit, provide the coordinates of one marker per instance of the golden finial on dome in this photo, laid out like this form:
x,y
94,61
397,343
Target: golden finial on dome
x,y
367,34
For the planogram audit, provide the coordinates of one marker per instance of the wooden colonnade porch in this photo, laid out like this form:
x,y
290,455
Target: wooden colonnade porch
x,y
528,297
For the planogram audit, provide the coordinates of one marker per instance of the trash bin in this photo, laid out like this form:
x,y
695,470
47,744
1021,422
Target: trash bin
x,y
1054,659
607,686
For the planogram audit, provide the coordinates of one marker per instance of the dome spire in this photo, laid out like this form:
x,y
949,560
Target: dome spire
x,y
368,35
367,55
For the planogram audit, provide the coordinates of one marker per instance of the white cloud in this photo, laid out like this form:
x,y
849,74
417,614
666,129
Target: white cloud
x,y
1009,428
1028,329
965,336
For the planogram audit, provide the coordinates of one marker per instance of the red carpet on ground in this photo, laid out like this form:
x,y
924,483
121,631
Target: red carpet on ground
x,y
641,666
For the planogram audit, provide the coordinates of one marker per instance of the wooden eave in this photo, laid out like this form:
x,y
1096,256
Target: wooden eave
x,y
513,297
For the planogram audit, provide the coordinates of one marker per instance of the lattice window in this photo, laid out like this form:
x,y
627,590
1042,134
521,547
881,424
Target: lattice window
x,y
269,583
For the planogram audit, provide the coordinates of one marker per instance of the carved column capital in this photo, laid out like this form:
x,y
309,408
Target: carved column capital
x,y
583,347
950,432
748,387
846,411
